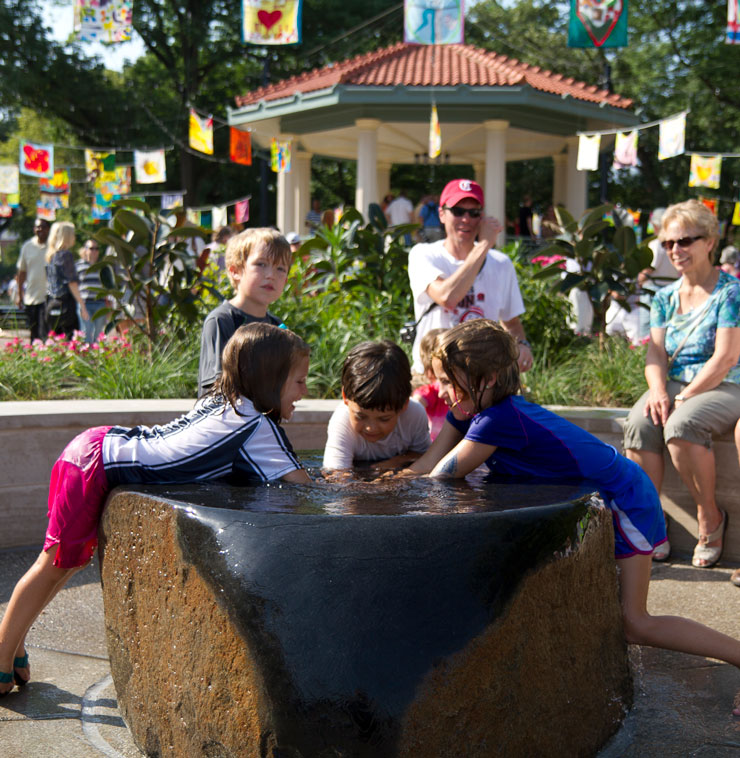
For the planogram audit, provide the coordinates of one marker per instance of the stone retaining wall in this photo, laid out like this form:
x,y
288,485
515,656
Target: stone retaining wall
x,y
32,434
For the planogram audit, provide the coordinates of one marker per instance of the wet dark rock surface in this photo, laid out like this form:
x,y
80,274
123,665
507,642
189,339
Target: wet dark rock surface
x,y
393,619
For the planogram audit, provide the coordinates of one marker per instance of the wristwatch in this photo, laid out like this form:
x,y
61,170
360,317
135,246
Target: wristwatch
x,y
524,342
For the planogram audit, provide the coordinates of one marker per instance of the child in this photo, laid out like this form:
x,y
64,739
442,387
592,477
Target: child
x,y
428,394
377,421
476,366
257,261
232,435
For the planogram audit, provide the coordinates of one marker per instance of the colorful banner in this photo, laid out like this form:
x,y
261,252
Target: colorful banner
x,y
242,211
9,179
435,134
201,133
8,202
172,201
710,203
625,150
705,171
431,22
193,217
103,20
736,215
58,184
280,156
49,203
588,152
240,146
97,164
218,216
150,166
100,213
672,135
36,160
271,22
733,23
597,23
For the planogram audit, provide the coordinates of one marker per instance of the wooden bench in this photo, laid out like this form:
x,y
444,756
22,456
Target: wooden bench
x,y
13,317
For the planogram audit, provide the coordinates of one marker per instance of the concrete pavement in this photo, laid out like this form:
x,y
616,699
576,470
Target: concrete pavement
x,y
682,703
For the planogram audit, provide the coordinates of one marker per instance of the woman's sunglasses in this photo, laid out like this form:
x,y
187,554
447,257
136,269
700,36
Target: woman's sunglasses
x,y
460,212
684,242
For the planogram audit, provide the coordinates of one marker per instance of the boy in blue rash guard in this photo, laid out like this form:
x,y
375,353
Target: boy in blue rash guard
x,y
476,366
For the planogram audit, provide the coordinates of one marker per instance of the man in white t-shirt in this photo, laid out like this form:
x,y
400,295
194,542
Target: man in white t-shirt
x,y
461,277
31,279
400,210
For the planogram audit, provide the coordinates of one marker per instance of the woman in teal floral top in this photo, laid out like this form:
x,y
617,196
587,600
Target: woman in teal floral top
x,y
692,370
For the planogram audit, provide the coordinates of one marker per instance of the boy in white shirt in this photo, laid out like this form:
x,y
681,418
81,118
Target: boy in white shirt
x,y
377,421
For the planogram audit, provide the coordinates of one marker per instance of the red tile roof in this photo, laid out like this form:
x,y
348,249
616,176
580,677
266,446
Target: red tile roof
x,y
411,65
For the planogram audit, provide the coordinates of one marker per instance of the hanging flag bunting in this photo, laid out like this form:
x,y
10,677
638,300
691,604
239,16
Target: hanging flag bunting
x,y
271,22
710,203
431,22
122,180
8,202
242,212
9,179
36,160
218,216
100,213
201,133
597,23
172,201
625,150
588,152
150,166
206,220
435,134
58,184
733,23
280,156
192,216
705,171
97,164
736,215
49,203
240,146
672,134
103,20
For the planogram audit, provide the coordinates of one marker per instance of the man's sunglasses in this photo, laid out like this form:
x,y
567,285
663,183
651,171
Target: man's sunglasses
x,y
684,242
460,212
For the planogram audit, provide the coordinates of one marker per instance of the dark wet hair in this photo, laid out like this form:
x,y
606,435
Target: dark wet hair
x,y
476,350
377,376
255,363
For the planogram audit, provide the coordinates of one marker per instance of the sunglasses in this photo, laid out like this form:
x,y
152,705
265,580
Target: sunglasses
x,y
460,212
684,242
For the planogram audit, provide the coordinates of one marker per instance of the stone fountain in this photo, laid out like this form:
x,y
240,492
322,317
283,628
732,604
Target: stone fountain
x,y
256,622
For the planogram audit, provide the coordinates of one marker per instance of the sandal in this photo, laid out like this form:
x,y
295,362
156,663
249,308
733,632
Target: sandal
x,y
5,679
662,552
710,554
20,663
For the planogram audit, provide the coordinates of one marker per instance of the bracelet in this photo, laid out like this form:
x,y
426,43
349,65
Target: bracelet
x,y
524,342
682,398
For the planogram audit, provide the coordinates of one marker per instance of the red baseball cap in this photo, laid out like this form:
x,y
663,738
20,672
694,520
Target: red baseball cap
x,y
459,189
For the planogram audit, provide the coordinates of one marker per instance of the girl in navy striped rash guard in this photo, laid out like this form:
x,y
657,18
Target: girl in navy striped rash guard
x,y
232,435
489,423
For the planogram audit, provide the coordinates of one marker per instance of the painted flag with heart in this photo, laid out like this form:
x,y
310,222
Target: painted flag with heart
x,y
733,23
150,166
240,146
597,23
705,171
271,22
588,152
625,150
106,21
36,160
434,22
200,137
242,211
672,137
435,134
9,179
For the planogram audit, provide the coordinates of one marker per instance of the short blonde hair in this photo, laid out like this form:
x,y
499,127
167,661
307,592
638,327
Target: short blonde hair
x,y
691,213
242,245
61,237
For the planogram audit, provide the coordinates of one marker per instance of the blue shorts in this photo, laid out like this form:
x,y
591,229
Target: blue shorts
x,y
637,515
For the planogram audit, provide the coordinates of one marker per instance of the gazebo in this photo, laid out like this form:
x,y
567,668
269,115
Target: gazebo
x,y
375,109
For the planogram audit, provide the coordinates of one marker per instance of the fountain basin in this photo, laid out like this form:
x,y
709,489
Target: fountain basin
x,y
258,622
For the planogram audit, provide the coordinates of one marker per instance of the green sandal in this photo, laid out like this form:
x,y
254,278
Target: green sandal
x,y
5,679
20,663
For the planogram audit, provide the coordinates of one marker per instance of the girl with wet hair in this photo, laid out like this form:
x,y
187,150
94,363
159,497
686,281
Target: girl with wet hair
x,y
489,423
233,435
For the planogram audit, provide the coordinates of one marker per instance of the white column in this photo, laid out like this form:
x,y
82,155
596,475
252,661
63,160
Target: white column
x,y
495,186
366,191
301,164
559,183
384,179
576,182
479,173
286,193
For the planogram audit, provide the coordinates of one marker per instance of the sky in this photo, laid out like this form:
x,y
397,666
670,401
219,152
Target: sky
x,y
60,19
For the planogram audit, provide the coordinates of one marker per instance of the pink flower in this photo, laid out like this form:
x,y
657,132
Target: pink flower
x,y
46,359
548,260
